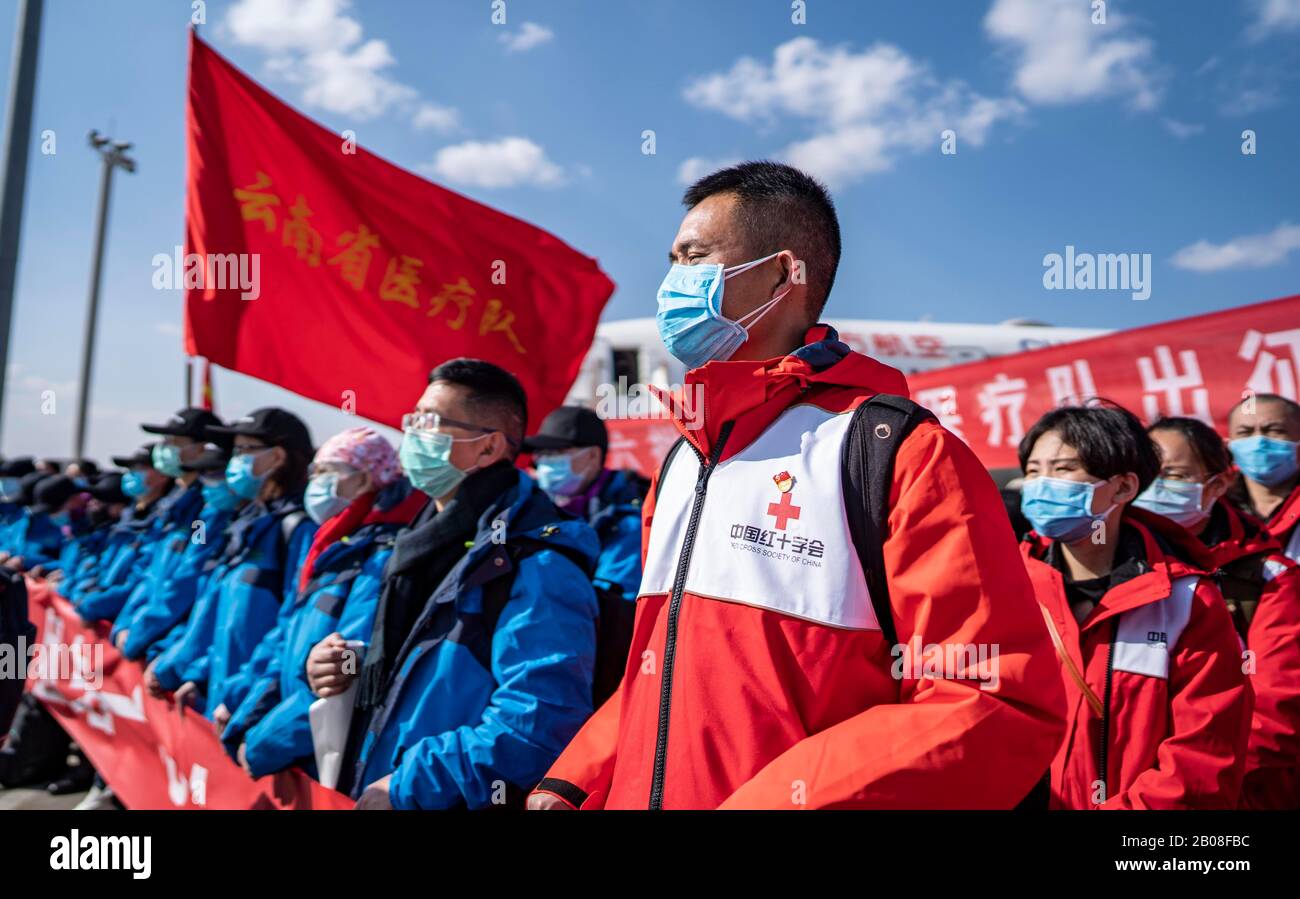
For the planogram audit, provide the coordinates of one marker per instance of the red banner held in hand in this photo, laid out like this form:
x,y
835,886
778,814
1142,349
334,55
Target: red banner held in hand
x,y
153,754
315,265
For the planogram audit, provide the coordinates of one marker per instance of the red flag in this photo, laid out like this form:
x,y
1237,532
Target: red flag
x,y
1198,367
349,278
208,399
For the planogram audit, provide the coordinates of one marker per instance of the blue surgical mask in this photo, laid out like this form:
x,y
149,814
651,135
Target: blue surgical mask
x,y
239,475
220,497
556,476
322,500
426,459
690,318
134,484
1179,501
1265,460
167,459
1061,509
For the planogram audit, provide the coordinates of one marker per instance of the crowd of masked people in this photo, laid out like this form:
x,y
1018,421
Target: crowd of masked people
x,y
473,615
243,566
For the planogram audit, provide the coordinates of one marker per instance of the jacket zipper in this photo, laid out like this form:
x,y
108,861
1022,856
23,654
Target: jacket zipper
x,y
1105,713
674,608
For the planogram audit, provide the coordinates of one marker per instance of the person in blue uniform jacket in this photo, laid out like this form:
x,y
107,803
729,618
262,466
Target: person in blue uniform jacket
x,y
63,505
255,575
80,556
479,665
184,436
569,461
361,500
30,535
101,593
12,473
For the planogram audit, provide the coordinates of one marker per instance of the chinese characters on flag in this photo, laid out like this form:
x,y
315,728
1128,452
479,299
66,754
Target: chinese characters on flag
x,y
1198,367
370,276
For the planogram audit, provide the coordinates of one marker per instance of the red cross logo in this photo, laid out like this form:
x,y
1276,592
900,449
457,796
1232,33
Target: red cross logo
x,y
783,511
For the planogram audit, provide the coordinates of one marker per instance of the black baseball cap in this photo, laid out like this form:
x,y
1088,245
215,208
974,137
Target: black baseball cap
x,y
568,427
27,487
191,422
51,493
108,489
17,468
273,426
143,457
213,457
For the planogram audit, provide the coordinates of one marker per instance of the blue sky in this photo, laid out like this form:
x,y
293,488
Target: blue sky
x,y
1122,137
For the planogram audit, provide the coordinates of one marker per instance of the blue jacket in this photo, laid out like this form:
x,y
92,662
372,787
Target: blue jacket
x,y
468,709
101,594
176,515
615,515
242,598
10,515
36,539
341,596
80,555
174,579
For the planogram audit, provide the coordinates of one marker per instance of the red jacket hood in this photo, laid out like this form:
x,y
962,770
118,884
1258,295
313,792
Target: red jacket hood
x,y
1246,537
752,393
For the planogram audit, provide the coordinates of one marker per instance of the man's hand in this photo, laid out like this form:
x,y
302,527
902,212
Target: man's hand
x,y
14,563
325,666
546,802
243,758
221,717
121,639
151,682
54,577
37,571
375,798
187,693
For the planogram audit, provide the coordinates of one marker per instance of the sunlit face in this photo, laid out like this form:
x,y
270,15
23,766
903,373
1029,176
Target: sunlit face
x,y
1051,457
1179,462
710,233
1268,419
351,482
266,459
472,449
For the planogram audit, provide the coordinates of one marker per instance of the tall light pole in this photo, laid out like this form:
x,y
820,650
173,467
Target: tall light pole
x,y
18,138
113,154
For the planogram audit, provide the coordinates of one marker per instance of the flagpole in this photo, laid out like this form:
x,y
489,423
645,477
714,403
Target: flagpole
x,y
18,136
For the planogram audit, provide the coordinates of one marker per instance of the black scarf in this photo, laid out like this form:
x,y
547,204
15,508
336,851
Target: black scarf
x,y
422,557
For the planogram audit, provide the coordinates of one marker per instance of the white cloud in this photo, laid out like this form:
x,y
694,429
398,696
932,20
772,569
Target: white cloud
x,y
866,107
529,35
1183,130
1273,17
1250,251
695,168
1062,57
509,162
315,46
432,117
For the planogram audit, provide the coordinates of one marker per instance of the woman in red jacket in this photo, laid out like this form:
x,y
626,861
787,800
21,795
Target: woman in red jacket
x,y
1262,590
1158,709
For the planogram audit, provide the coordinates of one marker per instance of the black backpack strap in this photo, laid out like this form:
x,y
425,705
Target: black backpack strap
x,y
496,592
878,427
1242,583
663,469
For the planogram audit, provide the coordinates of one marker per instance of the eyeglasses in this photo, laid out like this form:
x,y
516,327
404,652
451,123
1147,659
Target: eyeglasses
x,y
432,421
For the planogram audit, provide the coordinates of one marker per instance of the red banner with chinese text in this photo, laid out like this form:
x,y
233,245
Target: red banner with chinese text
x,y
1198,367
154,754
315,265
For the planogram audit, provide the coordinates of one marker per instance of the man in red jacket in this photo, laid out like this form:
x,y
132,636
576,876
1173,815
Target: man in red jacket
x,y
759,674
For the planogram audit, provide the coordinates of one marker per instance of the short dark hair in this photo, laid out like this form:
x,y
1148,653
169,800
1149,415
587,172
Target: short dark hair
x,y
1206,443
1109,439
1291,406
781,208
492,389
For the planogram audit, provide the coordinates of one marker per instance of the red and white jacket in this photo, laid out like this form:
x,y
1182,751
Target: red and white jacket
x,y
758,676
1273,638
1284,525
1166,704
